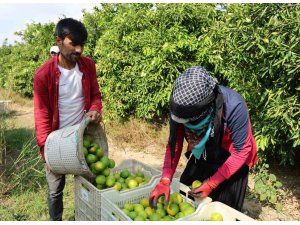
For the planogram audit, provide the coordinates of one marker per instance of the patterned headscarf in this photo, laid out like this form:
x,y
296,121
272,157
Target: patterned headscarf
x,y
194,93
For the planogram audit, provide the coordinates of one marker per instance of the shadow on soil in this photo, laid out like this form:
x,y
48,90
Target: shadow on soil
x,y
289,177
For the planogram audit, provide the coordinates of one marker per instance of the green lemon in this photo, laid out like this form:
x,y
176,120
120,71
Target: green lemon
x,y
139,179
132,183
140,174
92,168
161,212
129,206
91,158
86,143
92,150
111,163
126,211
154,217
176,198
172,209
161,199
110,181
145,202
93,144
139,218
166,218
138,208
160,205
99,166
105,160
143,214
183,205
121,180
196,183
125,173
85,151
100,186
117,176
106,172
99,153
149,211
100,179
216,216
132,214
179,215
117,186
188,210
124,186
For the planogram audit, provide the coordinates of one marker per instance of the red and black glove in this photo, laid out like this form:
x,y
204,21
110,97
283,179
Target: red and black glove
x,y
204,190
161,189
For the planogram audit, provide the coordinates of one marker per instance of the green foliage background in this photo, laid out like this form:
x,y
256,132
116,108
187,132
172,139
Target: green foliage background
x,y
140,49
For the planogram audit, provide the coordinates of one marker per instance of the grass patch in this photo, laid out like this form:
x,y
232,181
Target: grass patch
x,y
26,187
32,205
17,137
137,134
6,94
6,214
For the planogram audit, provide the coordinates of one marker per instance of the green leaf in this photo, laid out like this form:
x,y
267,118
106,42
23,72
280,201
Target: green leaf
x,y
272,177
263,197
278,184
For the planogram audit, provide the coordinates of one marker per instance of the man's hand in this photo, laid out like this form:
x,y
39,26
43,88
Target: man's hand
x,y
95,116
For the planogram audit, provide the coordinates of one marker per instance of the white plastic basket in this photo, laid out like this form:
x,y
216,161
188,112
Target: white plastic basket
x,y
228,213
64,148
88,197
113,201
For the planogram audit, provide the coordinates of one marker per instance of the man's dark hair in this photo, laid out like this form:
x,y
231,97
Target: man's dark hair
x,y
72,28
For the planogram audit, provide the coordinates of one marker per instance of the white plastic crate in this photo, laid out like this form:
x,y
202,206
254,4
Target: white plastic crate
x,y
113,201
88,197
228,213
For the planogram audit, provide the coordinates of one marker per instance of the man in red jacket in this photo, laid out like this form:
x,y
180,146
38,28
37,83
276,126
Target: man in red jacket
x,y
65,91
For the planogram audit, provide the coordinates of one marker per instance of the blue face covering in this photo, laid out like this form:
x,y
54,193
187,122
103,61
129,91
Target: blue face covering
x,y
199,128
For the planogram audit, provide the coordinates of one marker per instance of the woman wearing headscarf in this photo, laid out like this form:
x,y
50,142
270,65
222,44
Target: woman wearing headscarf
x,y
214,120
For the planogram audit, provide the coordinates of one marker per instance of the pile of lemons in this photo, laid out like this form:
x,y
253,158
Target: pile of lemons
x,y
95,158
175,209
101,166
122,180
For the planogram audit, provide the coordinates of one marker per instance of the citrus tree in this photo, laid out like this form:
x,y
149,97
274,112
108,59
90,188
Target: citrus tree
x,y
20,61
140,49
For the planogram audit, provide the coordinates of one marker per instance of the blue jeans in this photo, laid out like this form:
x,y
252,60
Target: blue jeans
x,y
56,184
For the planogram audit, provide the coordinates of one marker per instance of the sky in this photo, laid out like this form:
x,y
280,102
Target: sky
x,y
15,16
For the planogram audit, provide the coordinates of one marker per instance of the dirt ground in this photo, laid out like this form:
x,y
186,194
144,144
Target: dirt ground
x,y
153,156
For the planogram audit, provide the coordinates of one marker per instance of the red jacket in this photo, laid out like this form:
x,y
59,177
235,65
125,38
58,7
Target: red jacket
x,y
45,91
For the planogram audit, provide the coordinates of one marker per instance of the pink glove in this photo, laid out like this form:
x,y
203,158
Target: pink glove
x,y
205,189
161,189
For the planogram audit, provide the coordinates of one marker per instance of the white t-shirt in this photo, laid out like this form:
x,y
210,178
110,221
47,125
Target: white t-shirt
x,y
70,97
